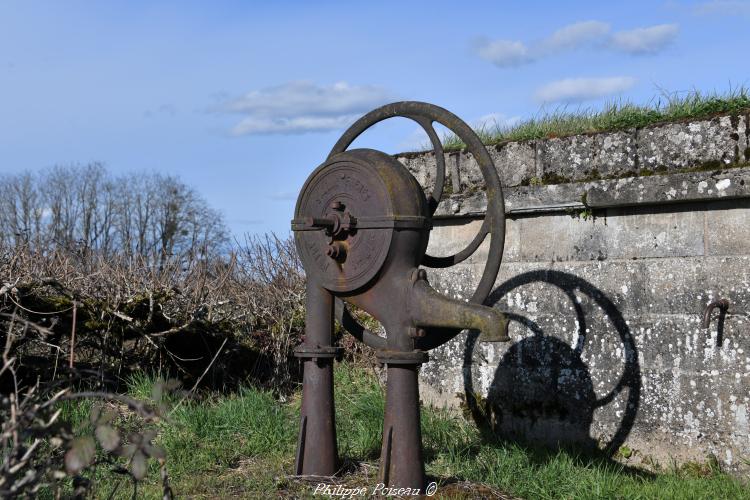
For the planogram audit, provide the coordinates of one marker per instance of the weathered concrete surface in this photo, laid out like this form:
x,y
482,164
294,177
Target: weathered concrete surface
x,y
695,186
728,183
516,162
586,156
605,353
606,282
718,142
728,229
422,167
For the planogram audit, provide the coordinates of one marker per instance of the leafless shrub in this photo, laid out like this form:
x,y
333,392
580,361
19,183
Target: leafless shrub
x,y
112,313
71,322
270,283
39,449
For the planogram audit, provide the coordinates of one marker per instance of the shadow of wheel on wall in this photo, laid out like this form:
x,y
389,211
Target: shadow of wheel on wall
x,y
542,392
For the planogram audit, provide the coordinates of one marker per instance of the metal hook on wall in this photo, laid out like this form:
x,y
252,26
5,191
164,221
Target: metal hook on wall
x,y
721,304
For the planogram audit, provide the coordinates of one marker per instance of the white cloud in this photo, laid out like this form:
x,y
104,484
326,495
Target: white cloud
x,y
577,34
645,40
507,53
503,53
723,7
291,125
302,106
583,89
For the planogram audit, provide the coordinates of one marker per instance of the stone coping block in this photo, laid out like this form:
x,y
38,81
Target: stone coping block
x,y
732,183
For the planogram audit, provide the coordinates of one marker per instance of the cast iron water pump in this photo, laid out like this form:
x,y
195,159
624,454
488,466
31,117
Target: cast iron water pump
x,y
362,224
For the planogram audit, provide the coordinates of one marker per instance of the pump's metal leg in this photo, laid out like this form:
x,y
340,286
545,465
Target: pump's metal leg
x,y
401,464
316,448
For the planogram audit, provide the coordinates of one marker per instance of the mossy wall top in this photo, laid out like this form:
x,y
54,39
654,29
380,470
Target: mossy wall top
x,y
721,141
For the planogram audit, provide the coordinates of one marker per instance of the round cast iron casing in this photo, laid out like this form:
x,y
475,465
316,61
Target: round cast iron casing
x,y
381,197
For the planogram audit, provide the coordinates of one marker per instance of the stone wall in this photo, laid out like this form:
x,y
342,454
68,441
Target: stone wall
x,y
615,243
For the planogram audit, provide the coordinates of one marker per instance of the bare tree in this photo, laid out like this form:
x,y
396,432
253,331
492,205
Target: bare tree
x,y
85,209
20,210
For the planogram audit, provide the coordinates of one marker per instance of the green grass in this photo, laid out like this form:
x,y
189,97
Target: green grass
x,y
220,433
617,115
244,445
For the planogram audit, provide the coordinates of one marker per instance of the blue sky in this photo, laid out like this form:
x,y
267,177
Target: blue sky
x,y
243,99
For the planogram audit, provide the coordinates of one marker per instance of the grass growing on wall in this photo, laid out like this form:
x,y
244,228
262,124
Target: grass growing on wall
x,y
243,445
616,115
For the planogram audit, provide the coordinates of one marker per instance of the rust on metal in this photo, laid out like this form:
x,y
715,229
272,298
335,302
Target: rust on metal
x,y
362,223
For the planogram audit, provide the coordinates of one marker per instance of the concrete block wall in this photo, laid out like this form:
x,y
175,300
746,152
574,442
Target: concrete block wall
x,y
606,280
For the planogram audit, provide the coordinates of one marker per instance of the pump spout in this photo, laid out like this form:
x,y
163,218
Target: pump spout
x,y
429,308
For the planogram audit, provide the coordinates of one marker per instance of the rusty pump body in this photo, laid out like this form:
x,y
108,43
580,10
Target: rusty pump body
x,y
362,224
